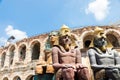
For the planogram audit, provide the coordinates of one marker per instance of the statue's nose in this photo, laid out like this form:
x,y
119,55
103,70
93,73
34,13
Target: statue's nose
x,y
66,40
103,39
104,36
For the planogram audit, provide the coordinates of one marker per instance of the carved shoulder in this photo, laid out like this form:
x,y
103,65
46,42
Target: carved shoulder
x,y
55,49
91,52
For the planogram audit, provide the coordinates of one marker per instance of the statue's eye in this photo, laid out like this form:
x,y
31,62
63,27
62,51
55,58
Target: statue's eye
x,y
102,39
53,35
64,36
101,33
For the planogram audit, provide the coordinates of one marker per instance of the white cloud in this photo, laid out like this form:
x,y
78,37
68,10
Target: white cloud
x,y
100,8
10,31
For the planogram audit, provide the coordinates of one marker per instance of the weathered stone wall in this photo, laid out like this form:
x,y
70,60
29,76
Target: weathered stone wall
x,y
25,68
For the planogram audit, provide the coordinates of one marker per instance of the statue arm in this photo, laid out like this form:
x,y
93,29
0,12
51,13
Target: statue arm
x,y
94,65
55,59
92,57
117,58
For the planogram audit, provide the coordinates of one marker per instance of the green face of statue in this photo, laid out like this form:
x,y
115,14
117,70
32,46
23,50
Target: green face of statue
x,y
53,36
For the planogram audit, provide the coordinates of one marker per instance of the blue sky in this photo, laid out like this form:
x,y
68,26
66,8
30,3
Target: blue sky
x,y
25,18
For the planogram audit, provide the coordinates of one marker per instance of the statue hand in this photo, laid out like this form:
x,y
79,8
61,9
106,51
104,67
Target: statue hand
x,y
68,66
80,66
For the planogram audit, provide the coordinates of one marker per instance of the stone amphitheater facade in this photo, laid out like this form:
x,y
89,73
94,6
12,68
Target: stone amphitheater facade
x,y
18,60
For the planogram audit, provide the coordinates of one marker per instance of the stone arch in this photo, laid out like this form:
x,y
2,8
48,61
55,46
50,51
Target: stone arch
x,y
30,77
17,78
5,78
11,50
86,38
3,56
22,52
113,36
35,49
77,42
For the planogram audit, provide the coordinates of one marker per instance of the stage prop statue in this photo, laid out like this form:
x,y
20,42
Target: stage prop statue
x,y
105,61
45,65
52,40
67,58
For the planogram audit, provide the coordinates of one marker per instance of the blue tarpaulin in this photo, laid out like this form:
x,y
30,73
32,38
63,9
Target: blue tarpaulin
x,y
44,77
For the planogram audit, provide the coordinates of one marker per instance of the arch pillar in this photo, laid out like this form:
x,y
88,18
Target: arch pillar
x,y
16,57
28,55
6,63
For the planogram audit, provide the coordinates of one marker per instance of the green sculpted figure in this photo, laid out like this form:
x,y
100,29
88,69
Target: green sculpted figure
x,y
51,41
52,38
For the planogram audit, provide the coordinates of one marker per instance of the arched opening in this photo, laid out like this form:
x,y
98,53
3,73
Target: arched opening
x,y
3,59
31,77
87,40
5,78
22,53
17,78
87,43
12,52
36,51
113,39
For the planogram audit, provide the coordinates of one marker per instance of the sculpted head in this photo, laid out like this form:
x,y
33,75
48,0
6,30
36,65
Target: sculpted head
x,y
99,38
65,30
53,38
66,38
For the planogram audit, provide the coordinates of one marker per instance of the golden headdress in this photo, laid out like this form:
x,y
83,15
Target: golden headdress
x,y
99,32
65,30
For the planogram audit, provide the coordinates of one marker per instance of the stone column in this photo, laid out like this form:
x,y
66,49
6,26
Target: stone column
x,y
42,55
7,61
28,55
16,56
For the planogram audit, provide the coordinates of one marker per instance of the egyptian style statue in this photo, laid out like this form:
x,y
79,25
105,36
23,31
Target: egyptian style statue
x,y
51,41
67,58
47,62
104,60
